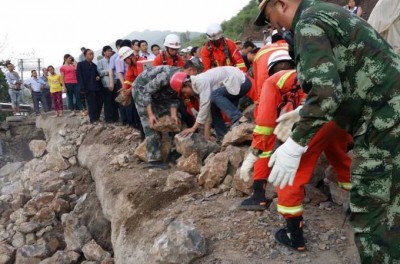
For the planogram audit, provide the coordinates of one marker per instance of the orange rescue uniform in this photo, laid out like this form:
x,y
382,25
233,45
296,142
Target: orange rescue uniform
x,y
163,58
214,56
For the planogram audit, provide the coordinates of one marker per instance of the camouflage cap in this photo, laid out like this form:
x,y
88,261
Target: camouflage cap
x,y
261,20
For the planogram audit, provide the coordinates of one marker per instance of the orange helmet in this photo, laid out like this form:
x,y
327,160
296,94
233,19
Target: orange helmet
x,y
177,81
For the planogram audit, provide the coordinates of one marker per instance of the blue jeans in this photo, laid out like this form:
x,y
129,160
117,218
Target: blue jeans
x,y
15,96
227,103
74,98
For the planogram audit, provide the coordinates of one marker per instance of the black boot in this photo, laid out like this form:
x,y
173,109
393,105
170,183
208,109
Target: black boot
x,y
292,235
257,201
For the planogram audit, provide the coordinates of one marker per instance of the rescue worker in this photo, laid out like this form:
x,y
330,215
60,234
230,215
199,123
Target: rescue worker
x,y
352,76
220,51
170,56
219,90
154,98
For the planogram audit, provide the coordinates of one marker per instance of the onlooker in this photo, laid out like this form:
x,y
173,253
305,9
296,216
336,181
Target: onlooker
x,y
89,81
143,53
110,105
155,49
36,85
46,95
82,56
196,59
68,74
14,86
247,47
135,46
56,88
353,7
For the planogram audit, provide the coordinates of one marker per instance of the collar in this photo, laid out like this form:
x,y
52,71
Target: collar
x,y
305,4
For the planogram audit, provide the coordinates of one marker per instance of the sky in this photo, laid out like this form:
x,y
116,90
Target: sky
x,y
48,29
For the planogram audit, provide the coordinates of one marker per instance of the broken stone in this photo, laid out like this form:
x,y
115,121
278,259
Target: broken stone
x,y
239,134
141,150
37,147
315,195
235,155
166,124
191,164
214,170
10,168
242,186
195,143
179,179
339,195
76,235
62,257
67,151
28,227
93,251
56,162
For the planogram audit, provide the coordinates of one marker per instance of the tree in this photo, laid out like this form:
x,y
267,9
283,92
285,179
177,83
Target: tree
x,y
4,97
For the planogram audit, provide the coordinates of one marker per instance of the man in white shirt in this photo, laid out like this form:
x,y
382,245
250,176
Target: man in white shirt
x,y
36,85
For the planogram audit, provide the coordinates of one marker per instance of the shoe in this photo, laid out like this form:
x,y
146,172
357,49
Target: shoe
x,y
292,235
157,165
257,201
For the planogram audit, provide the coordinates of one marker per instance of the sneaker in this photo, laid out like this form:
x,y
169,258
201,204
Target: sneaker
x,y
157,165
253,204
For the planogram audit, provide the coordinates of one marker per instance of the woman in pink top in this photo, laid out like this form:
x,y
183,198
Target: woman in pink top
x,y
68,74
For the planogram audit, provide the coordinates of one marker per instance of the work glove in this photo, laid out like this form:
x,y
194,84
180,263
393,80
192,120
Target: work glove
x,y
285,161
286,122
247,166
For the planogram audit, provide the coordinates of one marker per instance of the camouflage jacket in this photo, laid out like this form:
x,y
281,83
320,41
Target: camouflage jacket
x,y
153,84
351,75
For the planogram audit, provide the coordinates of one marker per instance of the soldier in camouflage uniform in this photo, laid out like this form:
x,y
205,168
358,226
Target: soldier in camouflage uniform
x,y
352,76
154,98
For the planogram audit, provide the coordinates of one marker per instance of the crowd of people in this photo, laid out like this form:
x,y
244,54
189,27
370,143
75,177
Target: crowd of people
x,y
325,81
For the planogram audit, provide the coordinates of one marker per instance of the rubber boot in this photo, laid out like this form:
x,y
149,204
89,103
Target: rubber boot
x,y
257,201
292,235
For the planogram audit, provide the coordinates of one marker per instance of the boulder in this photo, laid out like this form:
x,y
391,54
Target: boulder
x,y
94,252
67,151
180,243
37,147
7,254
191,164
214,171
62,257
166,124
179,179
242,186
239,134
76,235
339,195
235,155
10,168
314,195
195,142
56,162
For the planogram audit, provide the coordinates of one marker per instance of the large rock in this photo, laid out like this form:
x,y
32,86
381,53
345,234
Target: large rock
x,y
67,151
7,254
239,134
191,164
195,143
214,170
166,124
37,147
62,257
235,155
76,235
242,186
10,168
93,251
339,195
179,179
181,244
31,254
56,162
314,195
141,150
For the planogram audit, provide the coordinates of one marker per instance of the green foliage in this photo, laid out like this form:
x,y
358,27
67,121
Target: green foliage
x,y
4,97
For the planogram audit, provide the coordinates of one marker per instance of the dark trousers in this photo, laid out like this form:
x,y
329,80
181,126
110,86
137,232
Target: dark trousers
x,y
110,105
94,101
46,100
36,98
73,94
185,116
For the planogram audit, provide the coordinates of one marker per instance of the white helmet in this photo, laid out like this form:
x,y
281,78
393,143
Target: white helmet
x,y
214,32
278,56
172,41
125,52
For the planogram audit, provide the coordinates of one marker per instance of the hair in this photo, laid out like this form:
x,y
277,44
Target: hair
x,y
142,41
50,66
254,51
125,43
118,43
153,46
105,48
189,65
33,71
248,44
276,37
134,41
83,48
193,50
86,51
66,56
8,63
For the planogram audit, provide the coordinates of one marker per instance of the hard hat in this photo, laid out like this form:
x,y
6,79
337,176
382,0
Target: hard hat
x,y
278,56
214,32
177,81
172,41
124,52
188,49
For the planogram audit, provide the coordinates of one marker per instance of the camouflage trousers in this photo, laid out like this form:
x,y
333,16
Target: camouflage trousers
x,y
375,195
153,138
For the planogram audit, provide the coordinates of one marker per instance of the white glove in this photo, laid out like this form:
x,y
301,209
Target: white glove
x,y
286,122
247,166
285,161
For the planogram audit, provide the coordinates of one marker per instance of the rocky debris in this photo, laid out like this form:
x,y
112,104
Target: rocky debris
x,y
94,252
62,257
239,134
339,195
38,148
10,169
235,155
141,150
67,151
179,179
249,112
195,142
166,124
242,186
191,164
7,253
56,162
214,170
314,195
180,243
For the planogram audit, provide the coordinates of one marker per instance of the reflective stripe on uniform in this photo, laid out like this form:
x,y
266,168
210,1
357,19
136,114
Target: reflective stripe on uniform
x,y
265,154
263,130
293,210
345,185
262,52
240,65
128,82
284,78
